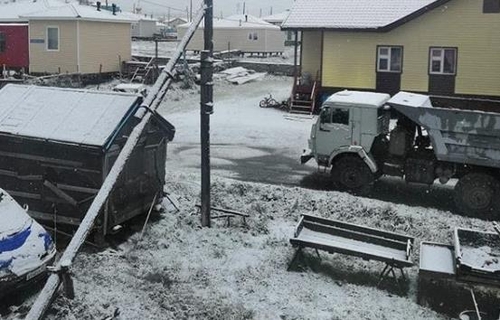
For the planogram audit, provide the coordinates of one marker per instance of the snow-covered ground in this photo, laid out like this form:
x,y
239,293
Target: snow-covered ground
x,y
179,270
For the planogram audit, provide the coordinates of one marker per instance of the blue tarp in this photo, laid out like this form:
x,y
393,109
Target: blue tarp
x,y
15,241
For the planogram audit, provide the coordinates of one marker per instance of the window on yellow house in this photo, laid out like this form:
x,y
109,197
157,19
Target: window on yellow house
x,y
53,38
443,61
389,59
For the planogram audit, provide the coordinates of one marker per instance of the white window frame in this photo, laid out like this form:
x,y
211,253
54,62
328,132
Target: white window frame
x,y
389,58
440,58
58,38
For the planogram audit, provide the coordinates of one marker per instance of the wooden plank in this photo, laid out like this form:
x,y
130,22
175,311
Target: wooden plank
x,y
363,229
390,261
40,158
356,235
60,193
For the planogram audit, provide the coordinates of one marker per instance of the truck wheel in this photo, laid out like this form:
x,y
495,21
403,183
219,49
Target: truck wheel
x,y
350,173
478,194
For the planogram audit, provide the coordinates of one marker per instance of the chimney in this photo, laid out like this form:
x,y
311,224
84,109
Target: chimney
x,y
113,7
98,4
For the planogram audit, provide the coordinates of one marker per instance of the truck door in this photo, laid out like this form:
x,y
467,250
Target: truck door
x,y
334,130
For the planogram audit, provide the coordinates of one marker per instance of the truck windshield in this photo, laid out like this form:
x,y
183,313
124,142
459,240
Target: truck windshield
x,y
334,115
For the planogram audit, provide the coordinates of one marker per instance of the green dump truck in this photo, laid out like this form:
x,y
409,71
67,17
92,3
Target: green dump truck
x,y
355,137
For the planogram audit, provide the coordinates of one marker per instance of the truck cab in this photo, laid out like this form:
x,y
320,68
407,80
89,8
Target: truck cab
x,y
349,121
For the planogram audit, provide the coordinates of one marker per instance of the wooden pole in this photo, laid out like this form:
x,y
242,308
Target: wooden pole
x,y
206,109
152,101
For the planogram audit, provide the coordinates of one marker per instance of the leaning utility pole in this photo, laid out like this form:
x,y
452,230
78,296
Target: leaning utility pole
x,y
206,109
191,10
62,269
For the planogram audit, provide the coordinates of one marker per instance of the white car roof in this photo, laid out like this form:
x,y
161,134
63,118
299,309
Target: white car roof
x,y
13,217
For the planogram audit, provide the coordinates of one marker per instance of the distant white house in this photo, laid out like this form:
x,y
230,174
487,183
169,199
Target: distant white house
x,y
243,32
144,27
174,22
277,20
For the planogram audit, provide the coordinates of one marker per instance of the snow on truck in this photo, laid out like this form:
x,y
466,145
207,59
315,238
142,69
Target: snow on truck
x,y
353,137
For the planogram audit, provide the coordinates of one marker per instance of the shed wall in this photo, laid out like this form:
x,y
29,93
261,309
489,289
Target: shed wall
x,y
44,61
104,44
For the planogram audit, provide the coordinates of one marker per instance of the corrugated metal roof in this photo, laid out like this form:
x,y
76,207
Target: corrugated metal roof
x,y
66,115
351,14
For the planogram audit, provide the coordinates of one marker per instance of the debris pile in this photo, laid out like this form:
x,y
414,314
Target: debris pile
x,y
240,75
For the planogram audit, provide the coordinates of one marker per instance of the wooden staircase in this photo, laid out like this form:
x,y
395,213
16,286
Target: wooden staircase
x,y
303,99
144,73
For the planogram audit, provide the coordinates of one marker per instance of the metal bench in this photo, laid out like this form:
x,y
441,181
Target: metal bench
x,y
368,243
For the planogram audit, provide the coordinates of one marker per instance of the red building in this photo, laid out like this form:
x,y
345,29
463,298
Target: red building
x,y
14,46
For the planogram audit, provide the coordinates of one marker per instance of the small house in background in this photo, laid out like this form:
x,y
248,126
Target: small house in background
x,y
277,20
444,48
144,27
239,32
174,22
73,38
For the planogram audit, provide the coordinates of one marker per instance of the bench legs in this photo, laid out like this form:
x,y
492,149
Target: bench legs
x,y
388,272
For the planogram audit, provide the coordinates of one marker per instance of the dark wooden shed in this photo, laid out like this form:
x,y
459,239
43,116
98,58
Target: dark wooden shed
x,y
58,145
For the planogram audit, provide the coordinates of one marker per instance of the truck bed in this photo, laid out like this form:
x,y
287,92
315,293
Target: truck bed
x,y
464,136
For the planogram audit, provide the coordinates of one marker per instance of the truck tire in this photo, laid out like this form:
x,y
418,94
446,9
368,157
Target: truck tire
x,y
478,194
350,173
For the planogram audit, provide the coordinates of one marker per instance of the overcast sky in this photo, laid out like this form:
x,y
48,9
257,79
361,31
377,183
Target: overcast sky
x,y
226,7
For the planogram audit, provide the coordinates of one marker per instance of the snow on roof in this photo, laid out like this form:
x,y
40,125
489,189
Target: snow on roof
x,y
175,19
73,10
137,17
278,17
411,99
373,99
238,21
350,14
67,115
11,12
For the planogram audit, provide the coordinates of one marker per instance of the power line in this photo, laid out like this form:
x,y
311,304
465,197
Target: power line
x,y
164,6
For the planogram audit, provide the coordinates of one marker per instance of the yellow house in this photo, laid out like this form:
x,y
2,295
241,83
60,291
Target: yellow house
x,y
73,38
439,47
